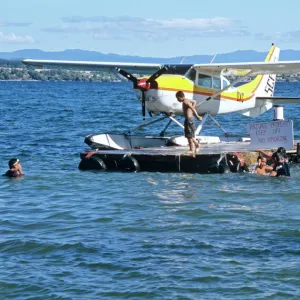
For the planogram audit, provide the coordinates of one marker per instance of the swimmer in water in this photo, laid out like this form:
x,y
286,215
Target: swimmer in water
x,y
15,168
279,162
262,168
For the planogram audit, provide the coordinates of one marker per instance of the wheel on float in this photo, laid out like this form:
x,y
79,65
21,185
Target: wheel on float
x,y
218,169
223,169
92,163
129,163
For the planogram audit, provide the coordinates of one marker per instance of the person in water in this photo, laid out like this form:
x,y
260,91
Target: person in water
x,y
15,168
279,162
188,107
262,168
281,167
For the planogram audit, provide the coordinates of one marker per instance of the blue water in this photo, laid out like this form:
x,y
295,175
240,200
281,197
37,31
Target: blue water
x,y
68,234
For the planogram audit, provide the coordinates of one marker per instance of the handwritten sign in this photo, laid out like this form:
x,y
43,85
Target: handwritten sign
x,y
272,134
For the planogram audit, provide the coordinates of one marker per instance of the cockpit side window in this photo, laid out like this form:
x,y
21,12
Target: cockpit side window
x,y
216,83
204,80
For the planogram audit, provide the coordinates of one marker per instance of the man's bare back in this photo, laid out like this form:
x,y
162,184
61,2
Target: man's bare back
x,y
186,107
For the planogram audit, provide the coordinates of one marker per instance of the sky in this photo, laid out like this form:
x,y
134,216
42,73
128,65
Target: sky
x,y
156,28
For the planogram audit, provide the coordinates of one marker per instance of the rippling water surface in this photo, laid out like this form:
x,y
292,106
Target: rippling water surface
x,y
67,234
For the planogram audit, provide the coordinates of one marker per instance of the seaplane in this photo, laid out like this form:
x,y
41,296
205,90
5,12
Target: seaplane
x,y
207,84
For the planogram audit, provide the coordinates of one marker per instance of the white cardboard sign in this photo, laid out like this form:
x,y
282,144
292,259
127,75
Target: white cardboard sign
x,y
272,134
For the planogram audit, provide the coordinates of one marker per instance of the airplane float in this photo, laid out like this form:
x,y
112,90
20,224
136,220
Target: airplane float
x,y
205,83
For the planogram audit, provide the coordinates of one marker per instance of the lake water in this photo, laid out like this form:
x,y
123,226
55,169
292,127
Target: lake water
x,y
68,234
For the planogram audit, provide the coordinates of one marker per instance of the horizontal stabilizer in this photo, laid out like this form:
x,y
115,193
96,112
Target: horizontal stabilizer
x,y
278,100
265,103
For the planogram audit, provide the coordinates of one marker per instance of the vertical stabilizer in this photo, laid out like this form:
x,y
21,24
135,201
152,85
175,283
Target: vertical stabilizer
x,y
266,84
263,85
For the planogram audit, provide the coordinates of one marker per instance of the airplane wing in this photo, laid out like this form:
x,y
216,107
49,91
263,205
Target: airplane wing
x,y
94,65
279,100
233,69
140,68
256,68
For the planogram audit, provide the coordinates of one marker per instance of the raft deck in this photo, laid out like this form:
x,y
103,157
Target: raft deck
x,y
212,158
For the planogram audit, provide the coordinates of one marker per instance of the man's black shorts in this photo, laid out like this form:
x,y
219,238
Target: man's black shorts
x,y
189,128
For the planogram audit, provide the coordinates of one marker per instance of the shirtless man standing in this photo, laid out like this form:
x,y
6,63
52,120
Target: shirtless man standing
x,y
188,107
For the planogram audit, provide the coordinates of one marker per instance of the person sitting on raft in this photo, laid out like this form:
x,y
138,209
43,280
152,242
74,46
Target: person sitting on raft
x,y
15,168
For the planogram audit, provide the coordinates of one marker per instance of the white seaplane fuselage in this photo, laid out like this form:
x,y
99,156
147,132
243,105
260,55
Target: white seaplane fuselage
x,y
205,83
222,97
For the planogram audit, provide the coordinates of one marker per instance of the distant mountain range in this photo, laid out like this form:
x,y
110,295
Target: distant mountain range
x,y
77,54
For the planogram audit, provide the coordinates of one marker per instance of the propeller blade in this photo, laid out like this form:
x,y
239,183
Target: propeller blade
x,y
128,75
157,74
143,84
143,104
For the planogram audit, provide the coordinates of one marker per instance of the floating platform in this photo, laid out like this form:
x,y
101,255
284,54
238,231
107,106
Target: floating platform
x,y
221,157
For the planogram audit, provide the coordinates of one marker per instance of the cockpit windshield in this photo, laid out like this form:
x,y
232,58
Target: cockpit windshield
x,y
191,74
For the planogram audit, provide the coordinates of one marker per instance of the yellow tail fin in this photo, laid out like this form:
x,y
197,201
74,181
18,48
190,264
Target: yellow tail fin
x,y
263,85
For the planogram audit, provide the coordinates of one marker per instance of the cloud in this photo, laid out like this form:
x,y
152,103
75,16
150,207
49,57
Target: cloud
x,y
17,24
4,23
100,19
283,37
289,37
107,36
262,37
12,38
150,29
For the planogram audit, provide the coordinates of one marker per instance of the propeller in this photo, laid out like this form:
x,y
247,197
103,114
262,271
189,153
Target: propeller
x,y
157,74
143,84
128,75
